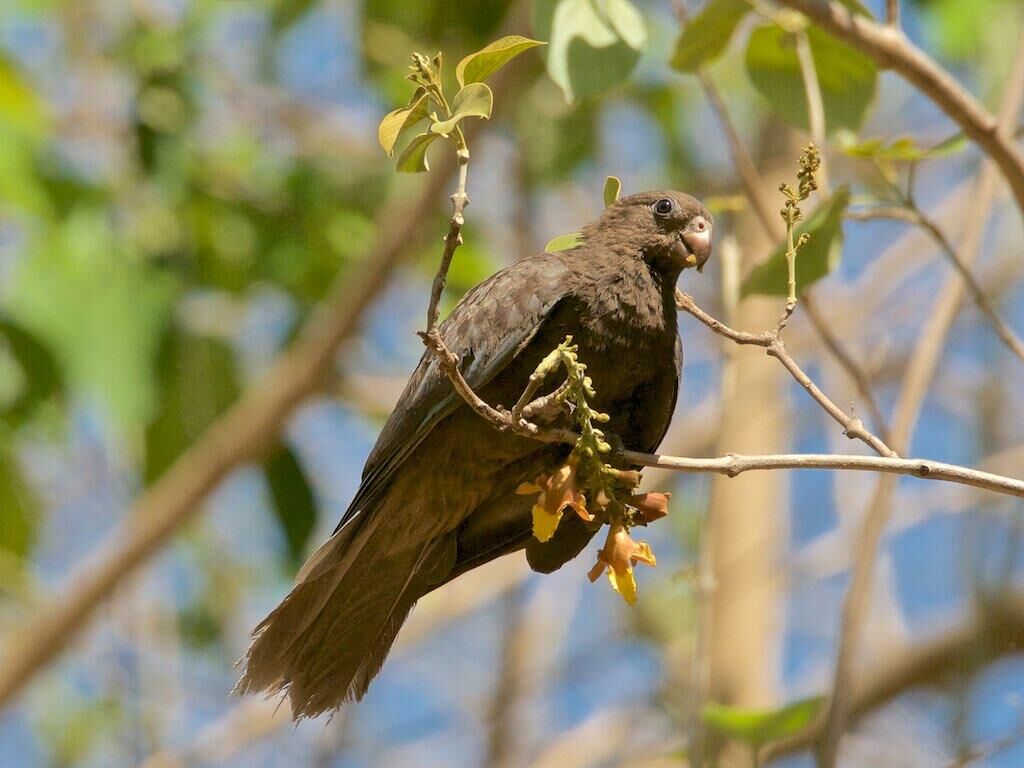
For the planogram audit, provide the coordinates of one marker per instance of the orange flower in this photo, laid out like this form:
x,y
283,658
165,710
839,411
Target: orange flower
x,y
556,492
619,555
652,505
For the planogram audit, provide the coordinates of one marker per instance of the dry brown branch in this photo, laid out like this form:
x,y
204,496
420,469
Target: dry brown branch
x,y
920,372
890,49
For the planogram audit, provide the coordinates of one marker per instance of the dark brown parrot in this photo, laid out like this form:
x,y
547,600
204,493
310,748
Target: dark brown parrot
x,y
437,496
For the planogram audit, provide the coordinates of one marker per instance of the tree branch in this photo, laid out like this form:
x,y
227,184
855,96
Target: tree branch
x,y
734,464
890,49
773,344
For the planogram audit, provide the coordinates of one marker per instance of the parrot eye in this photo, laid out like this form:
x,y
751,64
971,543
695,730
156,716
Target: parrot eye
x,y
665,206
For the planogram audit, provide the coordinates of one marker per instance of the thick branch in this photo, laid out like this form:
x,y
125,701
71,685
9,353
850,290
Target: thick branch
x,y
890,49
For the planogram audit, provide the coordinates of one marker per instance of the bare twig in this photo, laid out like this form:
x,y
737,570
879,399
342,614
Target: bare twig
x,y
892,12
920,371
734,464
773,344
454,237
890,48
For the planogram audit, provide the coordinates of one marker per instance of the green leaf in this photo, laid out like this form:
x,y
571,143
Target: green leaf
x,y
475,100
19,509
414,158
612,188
846,77
904,148
594,45
756,726
478,66
396,122
815,260
708,34
198,382
36,377
294,504
564,242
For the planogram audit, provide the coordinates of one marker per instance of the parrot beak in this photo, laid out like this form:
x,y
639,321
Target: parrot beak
x,y
697,242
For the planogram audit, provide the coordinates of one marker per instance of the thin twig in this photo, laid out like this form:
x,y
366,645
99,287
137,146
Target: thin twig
x,y
892,13
734,464
889,48
773,344
454,237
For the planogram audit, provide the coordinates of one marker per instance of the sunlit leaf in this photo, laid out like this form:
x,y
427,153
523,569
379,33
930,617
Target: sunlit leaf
x,y
612,188
815,260
398,121
846,77
414,158
708,34
564,242
475,100
478,66
594,46
758,726
294,503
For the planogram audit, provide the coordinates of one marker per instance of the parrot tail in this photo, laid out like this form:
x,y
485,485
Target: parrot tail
x,y
329,637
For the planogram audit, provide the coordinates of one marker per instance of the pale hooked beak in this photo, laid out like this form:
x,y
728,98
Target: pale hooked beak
x,y
697,240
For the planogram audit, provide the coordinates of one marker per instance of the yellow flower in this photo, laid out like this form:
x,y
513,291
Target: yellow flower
x,y
555,492
619,555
